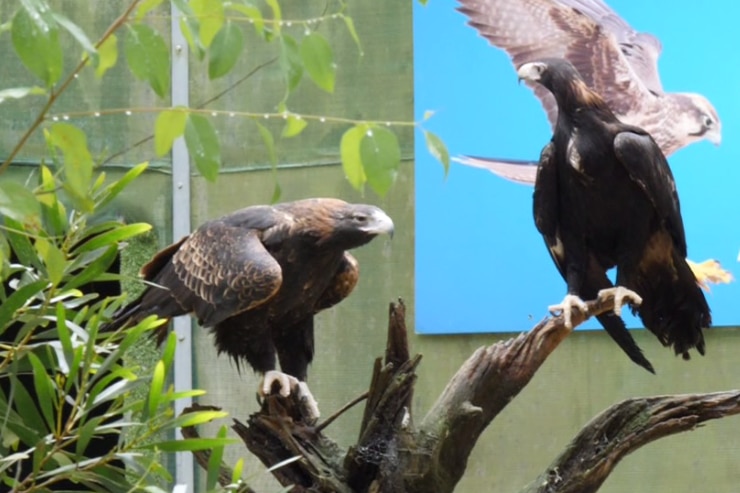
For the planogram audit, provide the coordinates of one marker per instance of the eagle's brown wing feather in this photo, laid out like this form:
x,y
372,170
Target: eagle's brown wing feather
x,y
222,271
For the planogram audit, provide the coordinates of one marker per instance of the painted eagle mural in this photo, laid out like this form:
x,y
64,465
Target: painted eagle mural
x,y
616,61
605,197
256,278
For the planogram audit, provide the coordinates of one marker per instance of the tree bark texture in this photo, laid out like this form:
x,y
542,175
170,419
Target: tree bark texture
x,y
394,455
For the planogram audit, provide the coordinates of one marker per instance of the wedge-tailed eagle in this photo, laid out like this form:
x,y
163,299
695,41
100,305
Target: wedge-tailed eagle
x,y
256,278
605,197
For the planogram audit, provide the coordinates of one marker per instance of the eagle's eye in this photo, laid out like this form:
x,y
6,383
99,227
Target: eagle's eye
x,y
708,121
359,218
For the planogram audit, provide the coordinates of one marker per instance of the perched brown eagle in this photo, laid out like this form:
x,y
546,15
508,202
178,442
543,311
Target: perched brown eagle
x,y
604,197
613,59
256,278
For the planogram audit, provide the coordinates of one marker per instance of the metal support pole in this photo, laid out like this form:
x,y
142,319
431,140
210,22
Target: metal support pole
x,y
184,474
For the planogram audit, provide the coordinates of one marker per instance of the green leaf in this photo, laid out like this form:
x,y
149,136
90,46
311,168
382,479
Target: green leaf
x,y
78,163
36,41
203,145
145,7
113,236
54,212
269,142
21,92
95,268
44,389
189,27
76,33
214,462
250,12
17,300
349,149
20,242
148,57
198,418
238,470
290,62
168,354
225,50
23,401
155,388
118,186
18,202
381,157
319,61
210,14
191,444
53,259
277,15
107,55
353,32
438,149
169,126
294,125
65,336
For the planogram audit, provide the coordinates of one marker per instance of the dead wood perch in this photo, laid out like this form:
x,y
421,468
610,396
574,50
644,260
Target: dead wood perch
x,y
393,455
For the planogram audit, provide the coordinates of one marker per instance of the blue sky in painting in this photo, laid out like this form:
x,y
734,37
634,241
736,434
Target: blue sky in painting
x,y
481,266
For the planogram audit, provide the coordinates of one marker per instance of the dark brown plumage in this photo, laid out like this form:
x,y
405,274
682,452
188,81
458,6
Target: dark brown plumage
x,y
257,276
605,197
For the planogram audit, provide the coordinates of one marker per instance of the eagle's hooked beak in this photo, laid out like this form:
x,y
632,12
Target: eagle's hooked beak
x,y
378,222
531,72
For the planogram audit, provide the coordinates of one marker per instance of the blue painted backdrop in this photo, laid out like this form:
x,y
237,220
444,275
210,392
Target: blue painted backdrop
x,y
481,266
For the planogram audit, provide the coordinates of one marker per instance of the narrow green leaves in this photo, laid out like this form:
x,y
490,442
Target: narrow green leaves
x,y
76,32
53,259
318,60
438,149
170,125
370,153
225,50
148,57
35,38
18,202
203,145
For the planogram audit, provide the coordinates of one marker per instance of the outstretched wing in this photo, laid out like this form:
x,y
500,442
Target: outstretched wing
x,y
641,50
222,270
530,30
647,167
517,171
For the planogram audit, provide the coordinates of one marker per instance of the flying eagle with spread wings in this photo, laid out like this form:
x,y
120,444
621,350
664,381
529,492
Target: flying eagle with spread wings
x,y
605,197
614,60
256,278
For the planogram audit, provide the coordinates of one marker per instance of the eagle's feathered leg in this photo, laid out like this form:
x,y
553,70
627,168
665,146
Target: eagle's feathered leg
x,y
566,307
621,296
288,384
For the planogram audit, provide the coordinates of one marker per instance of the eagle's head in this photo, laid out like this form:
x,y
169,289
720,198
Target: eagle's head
x,y
338,224
562,79
699,119
357,224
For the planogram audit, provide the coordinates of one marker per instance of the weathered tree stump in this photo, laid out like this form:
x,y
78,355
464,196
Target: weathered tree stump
x,y
393,455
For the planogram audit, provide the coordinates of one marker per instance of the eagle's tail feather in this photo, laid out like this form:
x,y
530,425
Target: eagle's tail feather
x,y
674,307
615,327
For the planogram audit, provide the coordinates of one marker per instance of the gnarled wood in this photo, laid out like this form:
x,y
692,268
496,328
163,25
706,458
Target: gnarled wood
x,y
392,455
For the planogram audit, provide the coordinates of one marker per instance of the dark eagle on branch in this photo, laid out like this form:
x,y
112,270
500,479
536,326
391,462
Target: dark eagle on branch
x,y
605,197
256,278
613,59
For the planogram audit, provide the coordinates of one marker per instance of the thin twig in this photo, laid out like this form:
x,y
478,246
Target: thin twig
x,y
341,411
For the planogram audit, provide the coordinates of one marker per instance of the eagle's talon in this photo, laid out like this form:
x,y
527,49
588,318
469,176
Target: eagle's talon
x,y
566,307
287,382
621,297
308,400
